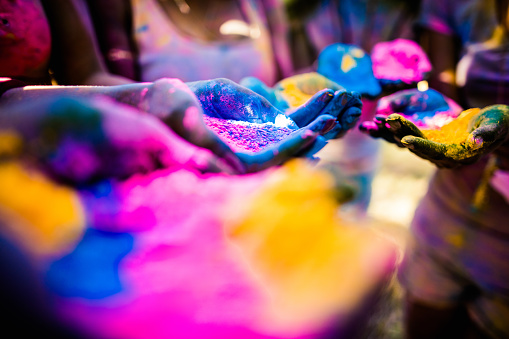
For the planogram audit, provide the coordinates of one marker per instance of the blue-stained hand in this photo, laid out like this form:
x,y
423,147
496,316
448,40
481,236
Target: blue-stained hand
x,y
413,102
176,105
304,142
307,96
225,99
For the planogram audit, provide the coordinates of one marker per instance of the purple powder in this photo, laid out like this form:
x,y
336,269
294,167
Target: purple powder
x,y
247,136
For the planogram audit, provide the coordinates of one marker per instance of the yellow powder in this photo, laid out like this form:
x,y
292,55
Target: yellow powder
x,y
293,95
311,262
347,63
454,132
45,217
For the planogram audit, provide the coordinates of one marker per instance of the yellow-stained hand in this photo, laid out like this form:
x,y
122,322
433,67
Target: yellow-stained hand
x,y
473,134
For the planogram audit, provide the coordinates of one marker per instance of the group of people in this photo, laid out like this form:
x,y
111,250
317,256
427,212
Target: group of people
x,y
99,90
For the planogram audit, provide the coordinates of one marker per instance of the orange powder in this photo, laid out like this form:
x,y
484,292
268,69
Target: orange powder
x,y
454,132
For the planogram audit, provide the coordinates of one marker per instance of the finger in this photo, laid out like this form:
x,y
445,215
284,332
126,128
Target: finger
x,y
487,137
371,128
424,148
402,127
337,104
350,117
377,129
351,109
336,132
306,113
322,124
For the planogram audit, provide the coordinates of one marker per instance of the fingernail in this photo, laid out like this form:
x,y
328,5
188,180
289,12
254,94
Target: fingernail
x,y
476,142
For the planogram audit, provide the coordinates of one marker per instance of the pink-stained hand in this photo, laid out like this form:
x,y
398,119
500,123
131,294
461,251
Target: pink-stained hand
x,y
81,141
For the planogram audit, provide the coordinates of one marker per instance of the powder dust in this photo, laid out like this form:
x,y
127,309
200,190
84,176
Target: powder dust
x,y
456,131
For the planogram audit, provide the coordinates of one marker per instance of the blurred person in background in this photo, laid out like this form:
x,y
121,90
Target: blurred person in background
x,y
460,285
318,24
455,269
53,35
193,39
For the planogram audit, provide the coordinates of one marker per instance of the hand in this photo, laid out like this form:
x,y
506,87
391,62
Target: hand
x,y
417,104
303,142
291,92
380,127
345,106
312,95
488,131
79,141
176,105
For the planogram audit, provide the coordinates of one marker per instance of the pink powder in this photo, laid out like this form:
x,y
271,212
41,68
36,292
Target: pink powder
x,y
184,278
247,136
400,59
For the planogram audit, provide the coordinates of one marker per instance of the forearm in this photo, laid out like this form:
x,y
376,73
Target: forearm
x,y
130,94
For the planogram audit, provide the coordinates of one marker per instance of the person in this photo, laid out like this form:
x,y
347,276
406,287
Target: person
x,y
455,267
82,66
192,39
104,248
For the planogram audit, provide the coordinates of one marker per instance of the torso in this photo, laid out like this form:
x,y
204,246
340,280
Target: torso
x,y
201,52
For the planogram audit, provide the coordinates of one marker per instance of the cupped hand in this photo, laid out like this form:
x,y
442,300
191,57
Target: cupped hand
x,y
225,99
488,131
310,95
345,106
303,142
176,105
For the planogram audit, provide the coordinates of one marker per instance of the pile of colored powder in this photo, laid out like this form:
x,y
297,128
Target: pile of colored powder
x,y
400,59
298,89
293,95
456,131
247,136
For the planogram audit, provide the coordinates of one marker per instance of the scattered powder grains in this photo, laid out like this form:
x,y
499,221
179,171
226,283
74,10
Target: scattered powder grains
x,y
456,131
247,136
